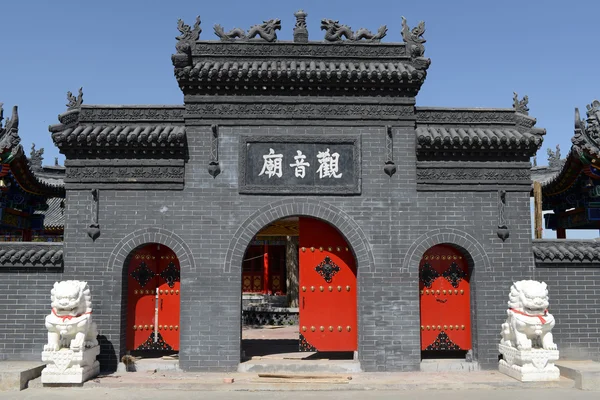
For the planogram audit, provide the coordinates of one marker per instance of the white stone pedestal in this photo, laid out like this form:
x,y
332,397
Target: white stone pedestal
x,y
68,366
534,365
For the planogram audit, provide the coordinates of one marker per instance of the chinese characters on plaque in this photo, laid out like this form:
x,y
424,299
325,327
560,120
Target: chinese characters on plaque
x,y
328,164
300,164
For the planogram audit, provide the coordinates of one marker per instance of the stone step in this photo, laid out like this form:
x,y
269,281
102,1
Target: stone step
x,y
447,365
585,374
15,375
300,366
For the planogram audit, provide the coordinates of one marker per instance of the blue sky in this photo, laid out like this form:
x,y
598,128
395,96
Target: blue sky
x,y
119,51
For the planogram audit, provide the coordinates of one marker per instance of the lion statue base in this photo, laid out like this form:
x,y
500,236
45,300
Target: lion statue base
x,y
527,345
72,345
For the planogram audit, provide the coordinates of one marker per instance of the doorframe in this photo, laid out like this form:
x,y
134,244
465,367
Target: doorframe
x,y
302,207
476,257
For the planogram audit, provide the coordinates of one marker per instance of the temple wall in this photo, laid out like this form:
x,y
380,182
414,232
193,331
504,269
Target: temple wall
x,y
389,226
574,290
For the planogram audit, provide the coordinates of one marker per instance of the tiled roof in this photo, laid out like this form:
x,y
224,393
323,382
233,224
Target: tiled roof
x,y
54,216
260,71
113,135
465,137
566,251
30,254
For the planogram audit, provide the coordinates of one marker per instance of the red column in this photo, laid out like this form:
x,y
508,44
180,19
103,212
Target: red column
x,y
266,269
561,233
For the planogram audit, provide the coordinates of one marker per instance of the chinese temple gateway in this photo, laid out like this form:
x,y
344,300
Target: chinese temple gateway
x,y
303,169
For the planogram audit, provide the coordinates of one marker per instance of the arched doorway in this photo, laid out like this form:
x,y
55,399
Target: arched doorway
x,y
445,303
153,299
318,268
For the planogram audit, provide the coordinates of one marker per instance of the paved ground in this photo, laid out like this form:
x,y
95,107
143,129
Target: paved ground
x,y
139,394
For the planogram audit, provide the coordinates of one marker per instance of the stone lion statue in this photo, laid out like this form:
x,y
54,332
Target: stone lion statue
x,y
528,324
70,323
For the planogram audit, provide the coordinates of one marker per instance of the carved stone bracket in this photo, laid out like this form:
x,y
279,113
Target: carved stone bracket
x,y
390,167
502,231
213,166
93,230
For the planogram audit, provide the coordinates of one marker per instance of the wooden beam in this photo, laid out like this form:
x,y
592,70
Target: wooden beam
x,y
537,209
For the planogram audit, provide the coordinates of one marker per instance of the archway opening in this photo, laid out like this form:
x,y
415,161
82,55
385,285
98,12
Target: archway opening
x,y
299,293
445,303
152,297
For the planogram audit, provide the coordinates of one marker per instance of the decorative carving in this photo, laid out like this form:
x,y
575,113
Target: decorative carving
x,y
9,134
554,161
188,37
93,230
471,174
300,30
334,32
520,106
307,111
74,102
527,345
463,117
305,345
266,31
414,38
390,167
126,174
72,346
132,114
442,343
214,168
502,231
454,274
36,159
280,49
427,274
327,269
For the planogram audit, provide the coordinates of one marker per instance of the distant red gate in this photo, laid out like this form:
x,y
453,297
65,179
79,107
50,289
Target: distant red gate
x,y
445,300
153,299
327,283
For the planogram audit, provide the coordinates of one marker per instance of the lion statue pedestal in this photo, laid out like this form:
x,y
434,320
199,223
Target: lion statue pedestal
x,y
72,345
527,346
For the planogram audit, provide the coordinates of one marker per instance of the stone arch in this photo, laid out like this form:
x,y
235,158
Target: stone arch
x,y
302,207
462,240
137,238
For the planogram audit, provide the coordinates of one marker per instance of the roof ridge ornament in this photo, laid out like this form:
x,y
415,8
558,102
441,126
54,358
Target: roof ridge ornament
x,y
36,158
74,102
188,35
520,106
587,132
300,29
9,134
334,31
266,31
414,38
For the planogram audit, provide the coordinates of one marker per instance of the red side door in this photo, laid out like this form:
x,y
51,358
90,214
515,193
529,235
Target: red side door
x,y
153,299
327,280
445,300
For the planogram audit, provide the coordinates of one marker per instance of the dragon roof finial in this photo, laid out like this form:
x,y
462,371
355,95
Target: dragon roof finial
x,y
74,102
414,38
520,106
188,35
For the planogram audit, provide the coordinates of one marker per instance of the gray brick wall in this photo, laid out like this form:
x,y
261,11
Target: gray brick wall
x,y
389,226
574,292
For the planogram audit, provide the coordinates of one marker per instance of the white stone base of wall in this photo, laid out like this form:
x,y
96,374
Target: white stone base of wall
x,y
67,366
534,365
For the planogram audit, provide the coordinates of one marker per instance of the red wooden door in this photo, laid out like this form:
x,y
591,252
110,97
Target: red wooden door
x,y
327,280
153,291
445,300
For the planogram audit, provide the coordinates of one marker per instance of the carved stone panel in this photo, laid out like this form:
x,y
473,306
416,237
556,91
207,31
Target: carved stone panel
x,y
300,165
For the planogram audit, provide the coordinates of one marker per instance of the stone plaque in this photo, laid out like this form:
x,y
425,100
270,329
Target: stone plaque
x,y
300,164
